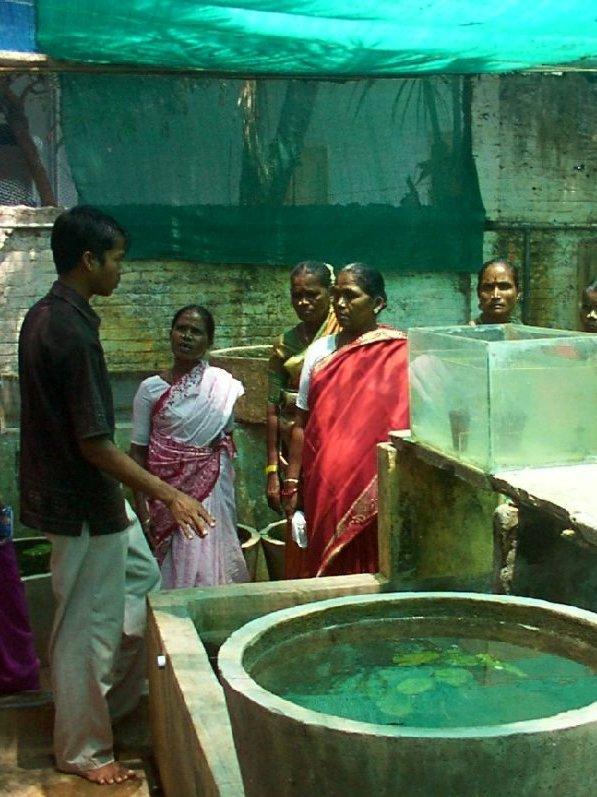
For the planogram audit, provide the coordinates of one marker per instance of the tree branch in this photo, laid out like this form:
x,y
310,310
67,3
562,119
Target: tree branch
x,y
13,108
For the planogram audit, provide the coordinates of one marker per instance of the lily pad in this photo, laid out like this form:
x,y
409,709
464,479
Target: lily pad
x,y
454,676
415,686
395,704
458,658
489,661
415,658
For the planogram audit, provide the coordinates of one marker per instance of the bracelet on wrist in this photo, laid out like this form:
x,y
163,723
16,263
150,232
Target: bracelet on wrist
x,y
290,481
273,468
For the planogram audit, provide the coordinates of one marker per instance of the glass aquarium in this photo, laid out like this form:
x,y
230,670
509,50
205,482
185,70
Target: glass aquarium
x,y
504,396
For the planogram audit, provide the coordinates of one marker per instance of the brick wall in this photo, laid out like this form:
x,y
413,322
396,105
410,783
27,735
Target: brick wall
x,y
26,270
250,303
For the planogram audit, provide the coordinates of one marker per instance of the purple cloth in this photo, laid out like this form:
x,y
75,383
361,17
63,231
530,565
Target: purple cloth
x,y
19,666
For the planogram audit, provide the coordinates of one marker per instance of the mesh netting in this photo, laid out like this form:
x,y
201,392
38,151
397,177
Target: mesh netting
x,y
275,171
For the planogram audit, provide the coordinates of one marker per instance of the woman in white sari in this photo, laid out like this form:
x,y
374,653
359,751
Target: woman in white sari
x,y
182,432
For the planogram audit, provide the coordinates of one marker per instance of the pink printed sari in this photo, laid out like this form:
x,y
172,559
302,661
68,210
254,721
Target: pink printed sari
x,y
189,437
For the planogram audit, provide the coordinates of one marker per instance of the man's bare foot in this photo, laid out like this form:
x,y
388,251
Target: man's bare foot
x,y
109,774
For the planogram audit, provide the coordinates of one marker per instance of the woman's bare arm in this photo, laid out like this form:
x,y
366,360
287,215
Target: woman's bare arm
x,y
273,479
295,458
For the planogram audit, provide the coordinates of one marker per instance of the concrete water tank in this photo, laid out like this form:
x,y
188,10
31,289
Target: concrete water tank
x,y
289,745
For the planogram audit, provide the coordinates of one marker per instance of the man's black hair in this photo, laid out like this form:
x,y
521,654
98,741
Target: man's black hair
x,y
83,229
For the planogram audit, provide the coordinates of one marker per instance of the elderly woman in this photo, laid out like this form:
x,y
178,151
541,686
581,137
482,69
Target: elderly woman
x,y
498,292
588,308
310,283
353,391
182,432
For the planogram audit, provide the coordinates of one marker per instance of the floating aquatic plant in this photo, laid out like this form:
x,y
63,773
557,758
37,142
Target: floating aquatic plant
x,y
454,657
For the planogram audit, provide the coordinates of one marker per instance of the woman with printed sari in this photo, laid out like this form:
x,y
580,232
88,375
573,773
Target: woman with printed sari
x,y
353,391
182,432
310,283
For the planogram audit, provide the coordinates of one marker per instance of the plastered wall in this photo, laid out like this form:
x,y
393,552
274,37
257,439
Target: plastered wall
x,y
535,147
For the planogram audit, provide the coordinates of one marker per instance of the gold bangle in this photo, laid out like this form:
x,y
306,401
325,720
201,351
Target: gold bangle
x,y
271,469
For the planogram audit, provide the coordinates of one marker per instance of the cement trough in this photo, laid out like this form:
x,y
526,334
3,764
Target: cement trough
x,y
190,727
287,749
249,364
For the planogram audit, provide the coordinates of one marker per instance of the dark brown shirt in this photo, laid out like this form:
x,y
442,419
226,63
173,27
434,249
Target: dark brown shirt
x,y
65,397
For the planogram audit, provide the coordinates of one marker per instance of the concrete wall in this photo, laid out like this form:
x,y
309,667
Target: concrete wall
x,y
536,152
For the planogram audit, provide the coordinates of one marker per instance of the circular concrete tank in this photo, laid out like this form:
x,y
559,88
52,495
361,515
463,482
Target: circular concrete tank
x,y
287,749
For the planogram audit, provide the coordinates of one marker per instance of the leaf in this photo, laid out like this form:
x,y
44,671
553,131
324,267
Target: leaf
x,y
454,676
415,686
415,659
458,658
514,670
395,704
489,661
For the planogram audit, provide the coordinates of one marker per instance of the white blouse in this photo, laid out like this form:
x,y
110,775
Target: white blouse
x,y
197,416
317,351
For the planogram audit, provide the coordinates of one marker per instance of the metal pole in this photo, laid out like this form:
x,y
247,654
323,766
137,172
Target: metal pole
x,y
526,273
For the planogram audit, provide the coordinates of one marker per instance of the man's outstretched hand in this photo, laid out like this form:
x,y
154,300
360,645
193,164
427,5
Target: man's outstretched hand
x,y
190,515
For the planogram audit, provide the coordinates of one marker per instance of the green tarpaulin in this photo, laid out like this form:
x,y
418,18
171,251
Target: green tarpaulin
x,y
333,37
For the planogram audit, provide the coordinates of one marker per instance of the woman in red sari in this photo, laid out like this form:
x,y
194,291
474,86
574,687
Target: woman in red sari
x,y
353,391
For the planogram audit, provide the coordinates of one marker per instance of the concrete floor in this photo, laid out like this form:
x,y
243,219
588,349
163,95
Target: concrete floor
x,y
26,764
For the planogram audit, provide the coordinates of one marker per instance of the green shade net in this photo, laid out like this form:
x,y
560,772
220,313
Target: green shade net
x,y
277,171
333,37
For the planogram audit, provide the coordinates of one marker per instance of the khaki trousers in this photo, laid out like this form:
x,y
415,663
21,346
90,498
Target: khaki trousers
x,y
97,650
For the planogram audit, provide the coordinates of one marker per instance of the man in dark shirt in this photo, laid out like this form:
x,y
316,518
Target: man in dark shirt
x,y
102,568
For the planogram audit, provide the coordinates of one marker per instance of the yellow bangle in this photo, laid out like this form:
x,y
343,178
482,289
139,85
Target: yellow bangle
x,y
271,469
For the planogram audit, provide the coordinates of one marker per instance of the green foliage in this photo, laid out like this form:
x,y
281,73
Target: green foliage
x,y
415,658
454,657
426,671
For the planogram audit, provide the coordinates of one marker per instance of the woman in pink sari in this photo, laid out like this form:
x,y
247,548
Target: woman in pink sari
x,y
353,391
182,432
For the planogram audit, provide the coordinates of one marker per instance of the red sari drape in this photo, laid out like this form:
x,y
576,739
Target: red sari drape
x,y
356,397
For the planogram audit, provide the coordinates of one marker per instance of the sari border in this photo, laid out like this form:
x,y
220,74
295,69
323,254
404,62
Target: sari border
x,y
358,515
379,335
